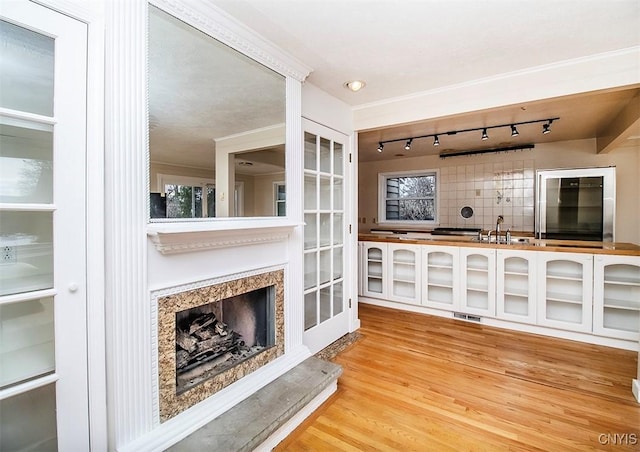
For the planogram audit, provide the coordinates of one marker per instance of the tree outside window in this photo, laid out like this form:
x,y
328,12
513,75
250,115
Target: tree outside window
x,y
408,197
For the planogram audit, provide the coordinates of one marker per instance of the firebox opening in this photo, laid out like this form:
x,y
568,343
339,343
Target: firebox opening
x,y
217,336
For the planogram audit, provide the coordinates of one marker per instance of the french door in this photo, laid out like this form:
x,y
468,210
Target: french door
x,y
43,326
326,316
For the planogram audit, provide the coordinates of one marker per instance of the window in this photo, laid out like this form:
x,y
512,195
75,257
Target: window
x,y
190,201
189,197
408,197
280,195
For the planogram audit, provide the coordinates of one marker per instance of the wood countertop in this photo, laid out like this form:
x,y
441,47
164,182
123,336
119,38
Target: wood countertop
x,y
531,244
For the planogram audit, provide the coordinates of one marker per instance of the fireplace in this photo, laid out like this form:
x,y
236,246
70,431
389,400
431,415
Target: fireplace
x,y
212,335
219,335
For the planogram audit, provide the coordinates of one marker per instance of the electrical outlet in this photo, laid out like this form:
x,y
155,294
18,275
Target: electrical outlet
x,y
9,255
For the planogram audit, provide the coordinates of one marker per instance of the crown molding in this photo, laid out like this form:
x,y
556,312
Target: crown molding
x,y
225,28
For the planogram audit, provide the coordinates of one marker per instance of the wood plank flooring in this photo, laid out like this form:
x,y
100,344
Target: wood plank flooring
x,y
423,383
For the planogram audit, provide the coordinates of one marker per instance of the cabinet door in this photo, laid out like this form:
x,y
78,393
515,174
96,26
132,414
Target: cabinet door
x,y
516,285
360,267
616,296
375,270
44,401
404,273
565,290
478,281
440,277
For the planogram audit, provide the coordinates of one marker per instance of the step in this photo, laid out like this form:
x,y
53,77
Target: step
x,y
254,420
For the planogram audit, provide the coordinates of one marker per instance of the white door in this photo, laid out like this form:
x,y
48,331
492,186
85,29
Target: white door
x,y
326,305
43,327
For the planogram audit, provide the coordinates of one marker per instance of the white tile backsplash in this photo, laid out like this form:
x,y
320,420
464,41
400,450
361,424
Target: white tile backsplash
x,y
491,189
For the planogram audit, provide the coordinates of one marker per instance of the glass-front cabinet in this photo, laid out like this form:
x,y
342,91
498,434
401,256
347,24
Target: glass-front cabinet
x,y
516,285
440,277
565,290
43,374
374,260
616,296
477,281
404,273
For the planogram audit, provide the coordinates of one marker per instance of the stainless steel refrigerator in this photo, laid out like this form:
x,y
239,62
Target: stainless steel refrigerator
x,y
576,204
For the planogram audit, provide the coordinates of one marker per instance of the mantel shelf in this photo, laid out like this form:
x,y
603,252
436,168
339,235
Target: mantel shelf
x,y
173,238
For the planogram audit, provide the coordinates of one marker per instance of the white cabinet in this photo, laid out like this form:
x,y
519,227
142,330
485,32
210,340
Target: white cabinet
x,y
565,290
375,270
404,273
440,277
477,281
586,293
360,267
516,285
616,296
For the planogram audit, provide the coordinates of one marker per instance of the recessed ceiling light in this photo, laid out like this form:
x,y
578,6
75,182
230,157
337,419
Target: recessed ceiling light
x,y
244,163
354,85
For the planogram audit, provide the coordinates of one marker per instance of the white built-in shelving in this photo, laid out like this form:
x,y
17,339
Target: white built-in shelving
x,y
565,290
477,281
516,285
404,272
440,277
375,272
616,297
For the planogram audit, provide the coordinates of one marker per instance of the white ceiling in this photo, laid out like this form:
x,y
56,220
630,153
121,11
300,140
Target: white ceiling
x,y
404,47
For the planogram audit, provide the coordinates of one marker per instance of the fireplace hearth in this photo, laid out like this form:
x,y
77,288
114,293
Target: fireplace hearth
x,y
213,335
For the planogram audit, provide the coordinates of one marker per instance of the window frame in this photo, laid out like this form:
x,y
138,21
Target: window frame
x,y
382,197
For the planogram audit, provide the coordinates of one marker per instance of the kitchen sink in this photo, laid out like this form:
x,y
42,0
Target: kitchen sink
x,y
514,240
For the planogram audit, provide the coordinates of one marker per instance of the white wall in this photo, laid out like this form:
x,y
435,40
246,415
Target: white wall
x,y
565,154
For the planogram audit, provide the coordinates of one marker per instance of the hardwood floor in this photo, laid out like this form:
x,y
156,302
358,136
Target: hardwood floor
x,y
417,382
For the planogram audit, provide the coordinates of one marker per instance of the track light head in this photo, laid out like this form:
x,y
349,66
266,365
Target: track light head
x,y
485,137
514,131
436,142
407,146
380,147
546,128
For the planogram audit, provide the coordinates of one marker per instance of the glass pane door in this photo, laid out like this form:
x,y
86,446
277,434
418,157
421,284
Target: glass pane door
x,y
42,212
324,231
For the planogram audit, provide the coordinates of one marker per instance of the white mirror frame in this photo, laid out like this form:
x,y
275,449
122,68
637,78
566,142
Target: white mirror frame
x,y
220,26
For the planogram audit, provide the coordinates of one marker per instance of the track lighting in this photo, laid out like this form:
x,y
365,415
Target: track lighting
x,y
546,128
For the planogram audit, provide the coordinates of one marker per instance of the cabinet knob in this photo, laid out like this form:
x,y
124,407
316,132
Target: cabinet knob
x,y
73,287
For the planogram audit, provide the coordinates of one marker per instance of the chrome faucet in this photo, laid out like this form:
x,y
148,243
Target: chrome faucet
x,y
498,223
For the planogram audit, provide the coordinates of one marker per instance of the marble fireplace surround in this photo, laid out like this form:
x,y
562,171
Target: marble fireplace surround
x,y
180,298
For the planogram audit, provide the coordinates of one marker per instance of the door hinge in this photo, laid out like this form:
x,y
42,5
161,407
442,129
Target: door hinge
x,y
349,303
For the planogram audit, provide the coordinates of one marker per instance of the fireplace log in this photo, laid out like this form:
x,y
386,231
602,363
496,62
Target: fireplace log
x,y
201,322
186,342
182,359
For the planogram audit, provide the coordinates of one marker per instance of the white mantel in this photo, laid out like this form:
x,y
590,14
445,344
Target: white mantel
x,y
171,238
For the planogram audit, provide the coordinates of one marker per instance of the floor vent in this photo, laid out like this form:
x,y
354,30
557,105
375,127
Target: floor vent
x,y
462,316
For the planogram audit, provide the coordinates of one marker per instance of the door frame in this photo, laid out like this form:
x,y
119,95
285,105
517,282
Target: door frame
x,y
350,242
